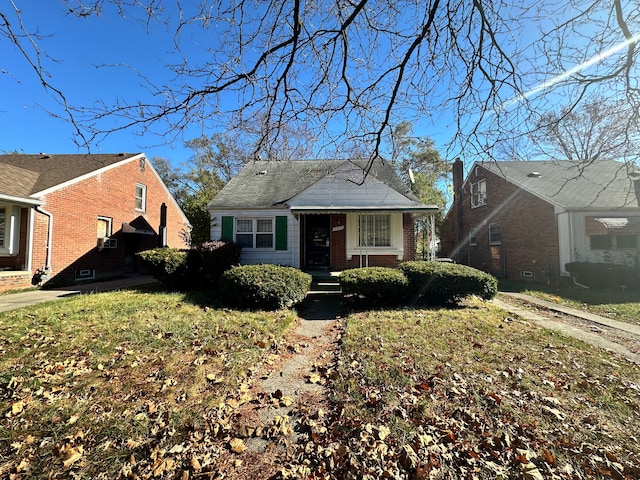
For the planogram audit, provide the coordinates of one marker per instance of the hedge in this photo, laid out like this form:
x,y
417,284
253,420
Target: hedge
x,y
442,283
197,268
263,287
374,285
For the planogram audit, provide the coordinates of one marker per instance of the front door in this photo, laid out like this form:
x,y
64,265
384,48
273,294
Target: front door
x,y
317,241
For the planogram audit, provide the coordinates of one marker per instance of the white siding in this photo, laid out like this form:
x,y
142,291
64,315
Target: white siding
x,y
290,256
342,189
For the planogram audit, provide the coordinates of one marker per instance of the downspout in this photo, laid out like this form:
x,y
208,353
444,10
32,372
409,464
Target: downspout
x,y
47,263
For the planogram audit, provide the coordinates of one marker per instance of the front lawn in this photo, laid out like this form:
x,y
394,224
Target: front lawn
x,y
148,385
473,393
120,384
617,305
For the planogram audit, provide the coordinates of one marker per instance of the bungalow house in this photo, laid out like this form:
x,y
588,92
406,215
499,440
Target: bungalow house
x,y
70,218
318,214
528,219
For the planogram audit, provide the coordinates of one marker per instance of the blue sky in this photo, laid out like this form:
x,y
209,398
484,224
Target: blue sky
x,y
78,45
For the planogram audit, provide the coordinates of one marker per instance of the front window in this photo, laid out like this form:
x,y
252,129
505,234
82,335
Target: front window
x,y
375,230
478,193
254,232
141,197
613,242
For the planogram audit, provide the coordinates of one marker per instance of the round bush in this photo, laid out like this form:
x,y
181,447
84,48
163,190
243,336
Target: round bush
x,y
264,287
441,283
375,285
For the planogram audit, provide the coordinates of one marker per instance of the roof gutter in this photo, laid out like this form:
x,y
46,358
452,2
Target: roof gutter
x,y
20,200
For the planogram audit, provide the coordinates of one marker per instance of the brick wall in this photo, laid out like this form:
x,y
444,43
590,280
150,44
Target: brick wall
x,y
528,226
13,280
409,237
76,209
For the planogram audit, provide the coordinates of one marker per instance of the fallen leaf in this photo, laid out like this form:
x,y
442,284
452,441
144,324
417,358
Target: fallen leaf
x,y
237,445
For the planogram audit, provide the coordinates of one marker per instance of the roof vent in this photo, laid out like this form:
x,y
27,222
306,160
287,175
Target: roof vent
x,y
44,156
534,174
262,172
634,173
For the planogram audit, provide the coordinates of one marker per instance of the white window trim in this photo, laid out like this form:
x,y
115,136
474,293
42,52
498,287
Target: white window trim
x,y
254,232
109,222
144,197
11,230
480,196
353,238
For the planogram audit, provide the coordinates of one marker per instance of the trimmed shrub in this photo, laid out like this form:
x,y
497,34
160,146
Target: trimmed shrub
x,y
167,265
603,275
195,269
263,287
207,261
442,283
375,285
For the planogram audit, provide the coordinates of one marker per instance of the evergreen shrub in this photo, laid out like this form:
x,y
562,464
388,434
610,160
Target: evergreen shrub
x,y
374,285
443,283
263,287
167,265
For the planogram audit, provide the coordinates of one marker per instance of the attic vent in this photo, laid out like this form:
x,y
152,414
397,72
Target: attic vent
x,y
44,156
534,174
262,172
634,174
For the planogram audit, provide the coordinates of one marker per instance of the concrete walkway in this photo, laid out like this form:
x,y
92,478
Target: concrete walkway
x,y
555,307
624,329
11,301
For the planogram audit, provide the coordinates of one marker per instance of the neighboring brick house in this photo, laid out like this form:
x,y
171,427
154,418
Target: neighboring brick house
x,y
81,217
527,220
319,214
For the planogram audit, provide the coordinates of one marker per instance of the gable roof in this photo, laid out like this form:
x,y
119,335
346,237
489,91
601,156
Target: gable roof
x,y
604,184
28,175
267,184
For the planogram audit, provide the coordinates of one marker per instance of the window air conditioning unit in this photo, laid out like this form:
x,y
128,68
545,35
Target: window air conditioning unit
x,y
107,243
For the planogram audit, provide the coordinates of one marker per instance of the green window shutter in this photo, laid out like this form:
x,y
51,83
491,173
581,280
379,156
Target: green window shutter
x,y
227,229
281,233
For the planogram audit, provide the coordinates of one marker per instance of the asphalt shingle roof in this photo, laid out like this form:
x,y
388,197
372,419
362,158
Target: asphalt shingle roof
x,y
601,184
267,184
25,175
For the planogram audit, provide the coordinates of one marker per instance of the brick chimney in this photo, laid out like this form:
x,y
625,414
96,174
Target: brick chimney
x,y
458,179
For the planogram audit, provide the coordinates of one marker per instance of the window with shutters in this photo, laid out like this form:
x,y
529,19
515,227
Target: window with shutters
x,y
255,232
